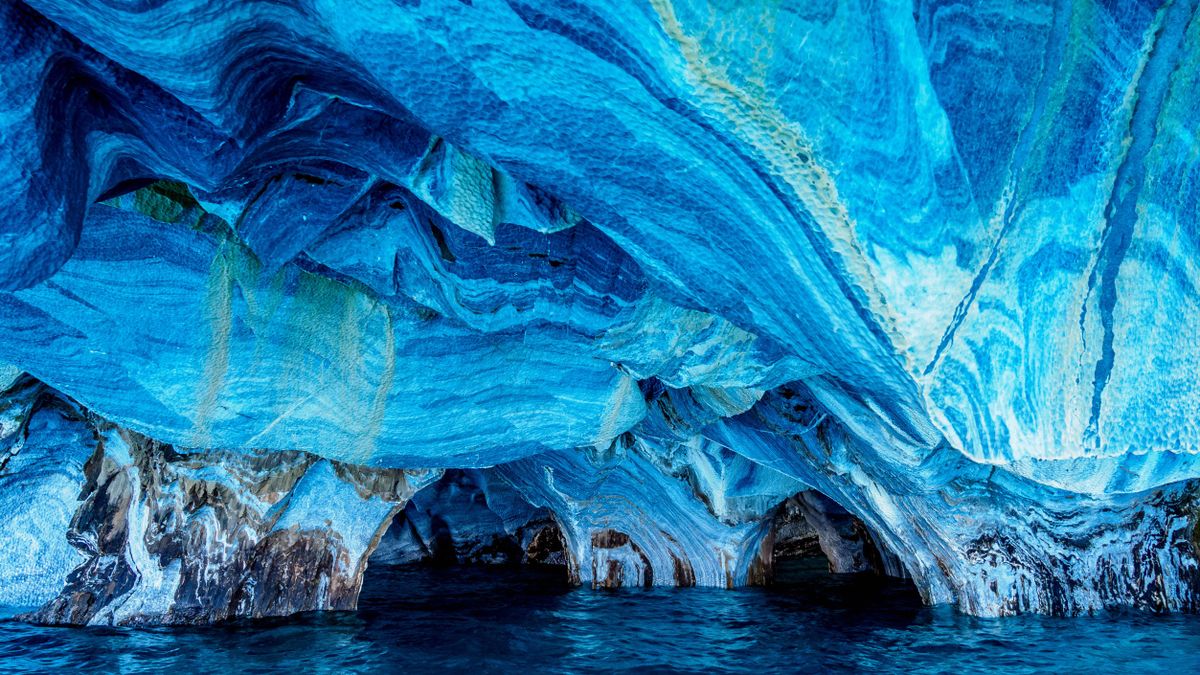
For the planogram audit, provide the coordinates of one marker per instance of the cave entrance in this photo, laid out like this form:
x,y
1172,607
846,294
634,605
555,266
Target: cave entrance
x,y
824,552
472,526
810,527
465,527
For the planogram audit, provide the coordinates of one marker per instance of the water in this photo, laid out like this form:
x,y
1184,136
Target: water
x,y
497,619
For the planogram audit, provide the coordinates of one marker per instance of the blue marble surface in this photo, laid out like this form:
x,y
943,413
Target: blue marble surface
x,y
660,263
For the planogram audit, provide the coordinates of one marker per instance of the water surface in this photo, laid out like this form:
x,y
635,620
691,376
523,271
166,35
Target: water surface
x,y
504,620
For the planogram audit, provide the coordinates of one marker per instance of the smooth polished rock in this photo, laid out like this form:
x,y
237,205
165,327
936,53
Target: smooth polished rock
x,y
658,264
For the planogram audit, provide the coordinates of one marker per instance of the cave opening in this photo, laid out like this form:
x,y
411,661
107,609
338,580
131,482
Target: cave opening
x,y
827,556
470,524
809,527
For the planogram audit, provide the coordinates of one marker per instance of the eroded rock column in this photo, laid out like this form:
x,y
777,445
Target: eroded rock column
x,y
640,514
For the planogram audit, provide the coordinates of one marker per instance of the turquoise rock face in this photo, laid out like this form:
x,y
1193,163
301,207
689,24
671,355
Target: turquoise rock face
x,y
655,266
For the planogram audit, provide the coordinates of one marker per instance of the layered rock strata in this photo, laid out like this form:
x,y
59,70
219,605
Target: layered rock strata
x,y
658,265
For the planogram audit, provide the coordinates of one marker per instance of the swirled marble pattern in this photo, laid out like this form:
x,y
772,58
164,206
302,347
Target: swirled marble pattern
x,y
657,265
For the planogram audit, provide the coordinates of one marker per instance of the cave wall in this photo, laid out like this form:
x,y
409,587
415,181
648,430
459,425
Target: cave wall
x,y
44,445
656,264
136,532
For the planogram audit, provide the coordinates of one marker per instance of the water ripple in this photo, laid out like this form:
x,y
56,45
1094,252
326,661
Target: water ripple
x,y
505,620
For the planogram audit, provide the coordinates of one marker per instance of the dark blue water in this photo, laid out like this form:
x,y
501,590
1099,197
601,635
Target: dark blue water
x,y
503,620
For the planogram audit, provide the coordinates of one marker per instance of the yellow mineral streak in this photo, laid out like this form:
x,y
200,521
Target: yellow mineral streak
x,y
218,313
378,411
754,116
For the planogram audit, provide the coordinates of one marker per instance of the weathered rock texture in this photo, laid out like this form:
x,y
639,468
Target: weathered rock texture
x,y
661,263
44,444
163,536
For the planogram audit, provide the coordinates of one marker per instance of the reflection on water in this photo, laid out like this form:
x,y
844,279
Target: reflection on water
x,y
504,619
